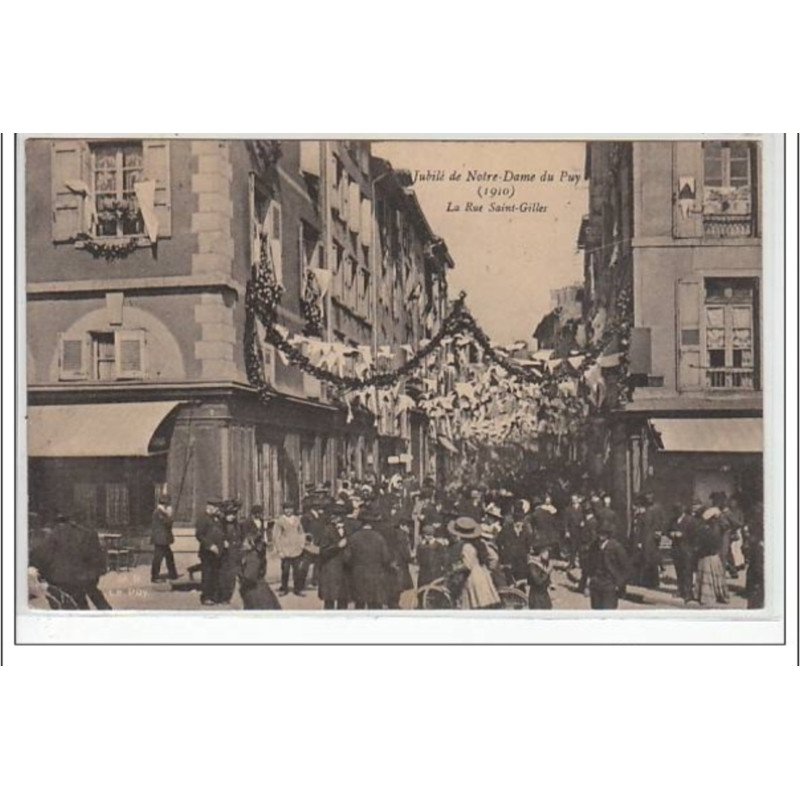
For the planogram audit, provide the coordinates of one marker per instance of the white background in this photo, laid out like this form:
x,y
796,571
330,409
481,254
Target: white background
x,y
389,721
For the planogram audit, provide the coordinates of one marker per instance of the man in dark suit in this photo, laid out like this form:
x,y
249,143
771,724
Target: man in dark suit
x,y
573,529
162,538
314,521
608,571
211,535
684,536
513,543
607,519
368,559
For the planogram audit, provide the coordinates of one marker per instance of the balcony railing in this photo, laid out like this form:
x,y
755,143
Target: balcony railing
x,y
728,226
729,378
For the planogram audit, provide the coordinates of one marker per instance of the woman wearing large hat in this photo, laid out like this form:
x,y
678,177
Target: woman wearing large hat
x,y
478,590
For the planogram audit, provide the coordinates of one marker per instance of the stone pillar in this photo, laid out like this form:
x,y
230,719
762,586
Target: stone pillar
x,y
213,257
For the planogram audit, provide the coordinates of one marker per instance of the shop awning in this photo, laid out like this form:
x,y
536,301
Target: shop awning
x,y
709,435
94,430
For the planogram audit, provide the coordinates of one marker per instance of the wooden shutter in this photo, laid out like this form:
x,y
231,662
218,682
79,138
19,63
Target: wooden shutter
x,y
155,154
354,207
73,357
309,157
344,198
689,356
366,221
274,231
335,190
687,169
69,162
129,351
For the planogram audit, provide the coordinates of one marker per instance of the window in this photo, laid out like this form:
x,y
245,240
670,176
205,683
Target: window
x,y
729,338
117,505
103,355
116,169
728,169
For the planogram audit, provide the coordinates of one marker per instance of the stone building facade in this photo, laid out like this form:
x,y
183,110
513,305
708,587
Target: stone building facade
x,y
137,255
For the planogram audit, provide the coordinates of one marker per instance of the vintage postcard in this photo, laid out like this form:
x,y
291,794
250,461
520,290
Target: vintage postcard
x,y
399,376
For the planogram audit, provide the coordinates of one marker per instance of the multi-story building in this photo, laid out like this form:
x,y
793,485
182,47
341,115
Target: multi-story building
x,y
678,226
410,267
138,253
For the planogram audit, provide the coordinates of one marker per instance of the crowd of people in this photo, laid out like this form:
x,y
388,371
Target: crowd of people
x,y
363,546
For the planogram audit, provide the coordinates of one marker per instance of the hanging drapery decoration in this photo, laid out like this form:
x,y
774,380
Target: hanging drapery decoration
x,y
311,306
522,399
262,295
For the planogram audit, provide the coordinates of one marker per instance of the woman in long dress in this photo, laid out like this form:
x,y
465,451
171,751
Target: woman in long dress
x,y
478,590
711,588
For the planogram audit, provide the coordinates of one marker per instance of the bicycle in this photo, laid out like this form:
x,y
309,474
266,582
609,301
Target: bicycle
x,y
438,595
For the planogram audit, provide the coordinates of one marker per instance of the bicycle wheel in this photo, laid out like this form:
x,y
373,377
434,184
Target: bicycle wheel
x,y
513,598
60,600
435,597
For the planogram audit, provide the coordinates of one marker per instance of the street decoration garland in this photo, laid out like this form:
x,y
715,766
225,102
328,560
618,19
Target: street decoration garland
x,y
509,401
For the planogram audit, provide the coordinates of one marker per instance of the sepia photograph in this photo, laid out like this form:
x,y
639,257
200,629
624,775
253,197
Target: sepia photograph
x,y
382,375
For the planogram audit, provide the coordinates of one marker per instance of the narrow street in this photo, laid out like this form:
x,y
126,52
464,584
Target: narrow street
x,y
132,590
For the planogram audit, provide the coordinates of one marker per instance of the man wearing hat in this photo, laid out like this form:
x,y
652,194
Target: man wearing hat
x,y
608,571
314,522
334,578
398,539
368,559
290,543
162,538
684,535
211,535
514,543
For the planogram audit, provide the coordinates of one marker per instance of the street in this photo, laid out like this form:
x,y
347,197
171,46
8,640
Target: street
x,y
132,590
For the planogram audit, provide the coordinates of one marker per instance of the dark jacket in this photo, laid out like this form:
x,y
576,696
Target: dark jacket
x,y
545,526
574,523
314,526
72,555
608,564
161,529
209,531
399,577
684,536
513,548
539,586
334,581
252,584
368,559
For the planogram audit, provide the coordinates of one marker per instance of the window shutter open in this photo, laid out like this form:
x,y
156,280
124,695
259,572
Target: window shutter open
x,y
344,198
354,207
155,154
274,224
687,191
689,361
309,157
69,169
366,221
335,191
73,357
129,346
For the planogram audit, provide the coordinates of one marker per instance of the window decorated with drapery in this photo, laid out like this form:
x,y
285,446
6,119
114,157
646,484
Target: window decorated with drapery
x,y
730,352
728,188
116,169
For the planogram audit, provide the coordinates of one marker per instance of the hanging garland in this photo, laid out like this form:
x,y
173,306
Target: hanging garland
x,y
261,302
109,250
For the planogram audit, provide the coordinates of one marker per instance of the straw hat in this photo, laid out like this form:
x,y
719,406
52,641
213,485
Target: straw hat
x,y
464,528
